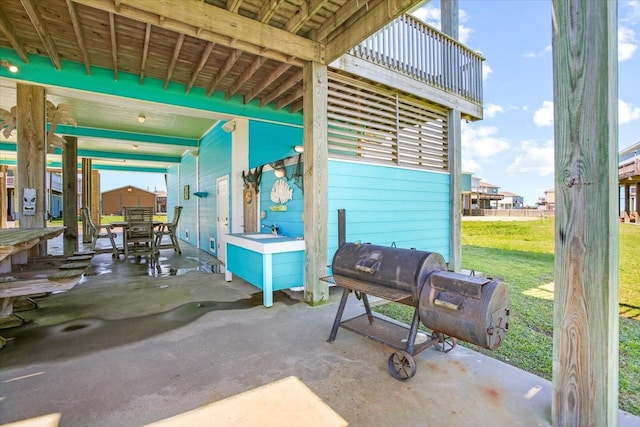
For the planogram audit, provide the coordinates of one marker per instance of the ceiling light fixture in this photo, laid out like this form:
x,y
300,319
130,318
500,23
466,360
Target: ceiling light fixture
x,y
141,118
230,126
298,148
134,146
9,66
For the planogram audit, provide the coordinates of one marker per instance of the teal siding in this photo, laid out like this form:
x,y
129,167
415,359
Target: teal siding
x,y
386,205
215,162
269,142
289,222
189,215
288,270
245,264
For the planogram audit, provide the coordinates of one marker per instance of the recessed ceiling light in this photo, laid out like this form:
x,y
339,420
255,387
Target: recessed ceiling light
x,y
134,146
141,118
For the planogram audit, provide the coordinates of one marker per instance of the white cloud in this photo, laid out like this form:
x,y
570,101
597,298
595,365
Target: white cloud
x,y
543,116
486,71
539,53
469,165
490,110
534,158
481,142
630,11
627,43
627,112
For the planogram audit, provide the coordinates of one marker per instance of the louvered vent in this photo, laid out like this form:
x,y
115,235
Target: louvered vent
x,y
371,124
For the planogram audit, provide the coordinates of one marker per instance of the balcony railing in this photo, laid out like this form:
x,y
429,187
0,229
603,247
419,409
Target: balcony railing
x,y
629,170
411,47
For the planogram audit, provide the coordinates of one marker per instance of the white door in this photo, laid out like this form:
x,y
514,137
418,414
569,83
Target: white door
x,y
222,202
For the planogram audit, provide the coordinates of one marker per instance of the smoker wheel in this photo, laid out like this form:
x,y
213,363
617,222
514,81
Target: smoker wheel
x,y
445,343
401,365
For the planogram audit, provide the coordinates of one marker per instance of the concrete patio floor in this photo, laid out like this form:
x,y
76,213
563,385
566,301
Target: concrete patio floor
x,y
129,346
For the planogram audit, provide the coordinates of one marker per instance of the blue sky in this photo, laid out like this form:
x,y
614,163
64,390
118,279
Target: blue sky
x,y
512,147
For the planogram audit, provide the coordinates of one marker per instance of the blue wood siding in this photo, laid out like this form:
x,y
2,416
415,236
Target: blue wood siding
x,y
188,219
245,264
288,270
269,142
386,205
215,162
289,222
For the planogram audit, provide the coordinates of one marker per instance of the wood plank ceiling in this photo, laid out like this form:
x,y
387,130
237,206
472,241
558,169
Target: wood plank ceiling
x,y
254,49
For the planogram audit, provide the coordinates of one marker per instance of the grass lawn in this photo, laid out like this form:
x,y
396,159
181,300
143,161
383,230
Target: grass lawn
x,y
522,254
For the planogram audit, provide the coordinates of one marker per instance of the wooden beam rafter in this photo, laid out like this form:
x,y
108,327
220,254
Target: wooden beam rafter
x,y
231,60
246,75
293,96
203,60
267,10
79,37
207,22
7,30
280,70
233,5
43,33
306,11
145,52
286,85
114,46
174,59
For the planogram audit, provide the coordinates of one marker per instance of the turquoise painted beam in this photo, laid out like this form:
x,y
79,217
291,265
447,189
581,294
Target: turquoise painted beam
x,y
95,154
72,75
127,136
121,168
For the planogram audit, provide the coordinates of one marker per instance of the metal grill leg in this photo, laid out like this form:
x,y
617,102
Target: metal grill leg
x,y
413,332
367,308
337,321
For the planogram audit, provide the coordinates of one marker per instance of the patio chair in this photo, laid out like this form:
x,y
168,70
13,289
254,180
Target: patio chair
x,y
138,213
99,231
140,240
169,229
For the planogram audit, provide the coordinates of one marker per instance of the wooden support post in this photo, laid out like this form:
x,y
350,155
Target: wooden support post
x,y
70,194
86,197
4,204
627,202
316,162
449,16
585,335
31,156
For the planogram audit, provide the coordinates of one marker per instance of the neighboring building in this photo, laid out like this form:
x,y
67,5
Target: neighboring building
x,y
629,183
161,201
511,201
548,202
114,201
484,195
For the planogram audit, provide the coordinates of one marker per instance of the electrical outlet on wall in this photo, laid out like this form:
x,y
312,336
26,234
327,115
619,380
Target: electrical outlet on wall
x,y
186,234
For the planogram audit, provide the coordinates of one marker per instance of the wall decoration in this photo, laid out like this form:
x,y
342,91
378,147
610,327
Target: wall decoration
x,y
29,202
186,192
281,192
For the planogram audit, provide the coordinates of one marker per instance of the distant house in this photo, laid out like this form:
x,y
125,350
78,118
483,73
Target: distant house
x,y
629,183
161,201
484,195
511,201
114,201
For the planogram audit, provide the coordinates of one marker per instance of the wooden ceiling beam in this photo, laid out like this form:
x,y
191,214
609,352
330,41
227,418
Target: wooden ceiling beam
x,y
79,37
231,60
374,18
297,94
297,106
174,59
206,22
280,70
233,5
7,30
267,10
306,11
286,85
246,75
145,52
114,46
203,60
43,33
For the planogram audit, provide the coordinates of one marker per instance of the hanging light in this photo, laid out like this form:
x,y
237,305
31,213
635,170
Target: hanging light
x,y
9,66
298,148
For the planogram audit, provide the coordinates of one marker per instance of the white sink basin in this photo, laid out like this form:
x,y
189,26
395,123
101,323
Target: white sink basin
x,y
261,236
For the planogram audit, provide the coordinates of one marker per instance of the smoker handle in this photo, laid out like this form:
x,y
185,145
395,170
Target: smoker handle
x,y
446,304
364,268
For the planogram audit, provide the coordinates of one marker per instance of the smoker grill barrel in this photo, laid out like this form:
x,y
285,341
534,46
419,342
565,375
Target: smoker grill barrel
x,y
472,309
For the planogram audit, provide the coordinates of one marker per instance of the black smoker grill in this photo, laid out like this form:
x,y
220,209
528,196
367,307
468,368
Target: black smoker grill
x,y
452,305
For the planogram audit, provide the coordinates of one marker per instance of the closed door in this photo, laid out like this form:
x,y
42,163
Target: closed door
x,y
222,203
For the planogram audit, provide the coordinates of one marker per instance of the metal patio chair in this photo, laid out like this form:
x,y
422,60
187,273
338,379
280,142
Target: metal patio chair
x,y
169,229
101,231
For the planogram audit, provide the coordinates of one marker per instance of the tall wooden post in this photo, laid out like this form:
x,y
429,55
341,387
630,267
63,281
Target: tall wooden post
x,y
585,337
449,14
4,204
31,156
86,197
70,194
316,163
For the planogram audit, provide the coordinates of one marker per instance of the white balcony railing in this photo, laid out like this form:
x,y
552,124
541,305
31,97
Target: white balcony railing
x,y
411,47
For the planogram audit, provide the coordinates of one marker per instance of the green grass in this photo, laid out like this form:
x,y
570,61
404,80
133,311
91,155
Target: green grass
x,y
522,254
